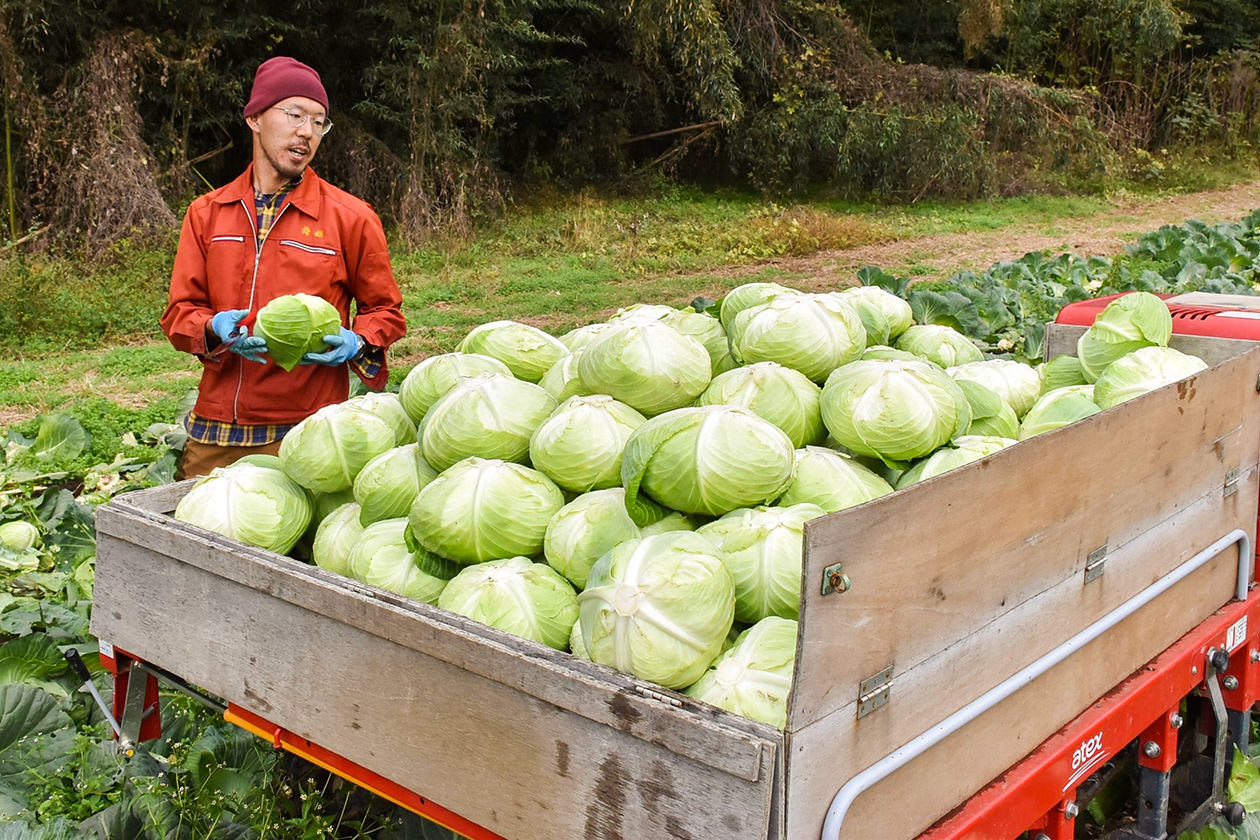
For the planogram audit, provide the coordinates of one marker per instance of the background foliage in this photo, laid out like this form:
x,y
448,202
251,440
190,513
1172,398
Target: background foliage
x,y
116,114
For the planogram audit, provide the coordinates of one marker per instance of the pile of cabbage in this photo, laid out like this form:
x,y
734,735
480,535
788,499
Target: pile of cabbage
x,y
635,491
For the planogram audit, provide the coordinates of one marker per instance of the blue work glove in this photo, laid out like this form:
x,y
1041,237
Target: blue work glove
x,y
341,348
227,326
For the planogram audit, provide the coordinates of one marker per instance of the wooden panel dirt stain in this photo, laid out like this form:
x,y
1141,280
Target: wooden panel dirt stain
x,y
657,793
604,813
624,711
562,759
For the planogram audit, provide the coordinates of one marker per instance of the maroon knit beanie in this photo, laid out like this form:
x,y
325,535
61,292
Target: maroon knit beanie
x,y
281,77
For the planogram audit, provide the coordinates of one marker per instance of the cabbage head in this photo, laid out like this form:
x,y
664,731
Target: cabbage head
x,y
990,414
479,510
884,315
812,333
761,548
894,411
577,338
939,344
659,608
517,596
325,451
1058,408
20,535
335,538
579,445
388,484
747,296
584,530
1016,383
785,397
1060,372
562,380
526,350
648,365
886,353
577,645
1128,323
1143,370
831,480
485,416
295,325
389,408
703,327
754,676
705,460
960,452
250,504
436,375
671,520
385,556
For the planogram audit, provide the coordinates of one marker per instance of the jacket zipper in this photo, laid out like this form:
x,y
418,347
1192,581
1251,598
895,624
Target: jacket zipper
x,y
253,284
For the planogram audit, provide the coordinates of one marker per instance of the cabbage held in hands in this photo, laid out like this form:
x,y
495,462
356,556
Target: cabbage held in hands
x,y
295,325
517,596
894,411
1128,323
325,451
659,608
753,677
250,504
705,460
485,416
526,350
481,510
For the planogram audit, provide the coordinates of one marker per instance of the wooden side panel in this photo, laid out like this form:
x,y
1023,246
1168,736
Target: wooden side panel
x,y
510,761
963,580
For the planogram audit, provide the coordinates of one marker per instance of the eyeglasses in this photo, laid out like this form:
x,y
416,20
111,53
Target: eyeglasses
x,y
297,119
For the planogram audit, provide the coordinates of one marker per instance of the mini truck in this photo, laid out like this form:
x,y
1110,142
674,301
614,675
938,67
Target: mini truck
x,y
977,653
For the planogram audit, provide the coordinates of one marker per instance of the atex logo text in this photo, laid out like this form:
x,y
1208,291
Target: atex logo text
x,y
1087,750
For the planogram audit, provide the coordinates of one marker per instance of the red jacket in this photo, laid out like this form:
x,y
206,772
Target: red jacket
x,y
324,242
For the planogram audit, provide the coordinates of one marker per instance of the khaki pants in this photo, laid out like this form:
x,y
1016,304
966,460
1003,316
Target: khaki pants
x,y
200,458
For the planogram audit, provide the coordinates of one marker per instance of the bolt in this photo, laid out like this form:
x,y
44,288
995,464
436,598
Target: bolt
x,y
1255,655
1151,749
839,582
1070,810
1041,835
1176,721
1230,682
1194,670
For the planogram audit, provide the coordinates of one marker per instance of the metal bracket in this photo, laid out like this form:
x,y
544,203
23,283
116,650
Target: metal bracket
x,y
1231,483
834,579
1094,563
873,692
657,696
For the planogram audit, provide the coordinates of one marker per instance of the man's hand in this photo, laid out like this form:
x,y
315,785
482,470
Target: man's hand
x,y
341,348
227,326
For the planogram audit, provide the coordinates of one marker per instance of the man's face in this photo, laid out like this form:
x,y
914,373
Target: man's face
x,y
283,148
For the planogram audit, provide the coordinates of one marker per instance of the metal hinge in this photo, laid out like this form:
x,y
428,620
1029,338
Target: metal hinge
x,y
657,696
1094,563
1231,483
873,692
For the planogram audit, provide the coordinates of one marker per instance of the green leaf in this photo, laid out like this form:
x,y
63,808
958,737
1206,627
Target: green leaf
x,y
951,309
1244,782
31,660
36,739
58,829
60,436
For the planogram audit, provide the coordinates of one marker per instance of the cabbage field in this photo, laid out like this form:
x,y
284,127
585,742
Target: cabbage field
x,y
633,491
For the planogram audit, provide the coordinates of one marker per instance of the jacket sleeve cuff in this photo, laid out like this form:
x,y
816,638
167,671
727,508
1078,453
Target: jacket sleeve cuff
x,y
370,366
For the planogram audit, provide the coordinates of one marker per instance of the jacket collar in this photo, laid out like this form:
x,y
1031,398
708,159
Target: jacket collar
x,y
305,196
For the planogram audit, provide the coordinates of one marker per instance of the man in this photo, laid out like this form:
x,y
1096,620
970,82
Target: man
x,y
277,229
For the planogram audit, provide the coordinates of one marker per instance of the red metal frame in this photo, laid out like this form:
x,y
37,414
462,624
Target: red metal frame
x,y
118,662
1033,795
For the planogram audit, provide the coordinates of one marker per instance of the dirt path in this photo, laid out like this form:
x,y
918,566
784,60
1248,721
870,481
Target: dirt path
x,y
939,256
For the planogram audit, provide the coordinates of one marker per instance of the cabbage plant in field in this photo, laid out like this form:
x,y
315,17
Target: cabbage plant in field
x,y
648,365
892,410
526,350
754,676
485,416
518,596
335,537
579,445
325,451
961,451
990,414
1058,408
295,325
584,530
785,397
385,556
388,407
19,535
480,510
939,344
811,333
1143,370
659,608
250,504
884,315
390,482
1016,383
1128,323
761,548
434,376
831,480
705,460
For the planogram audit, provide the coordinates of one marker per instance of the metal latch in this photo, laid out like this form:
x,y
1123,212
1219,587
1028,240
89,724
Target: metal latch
x,y
873,692
1231,483
835,580
1094,563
